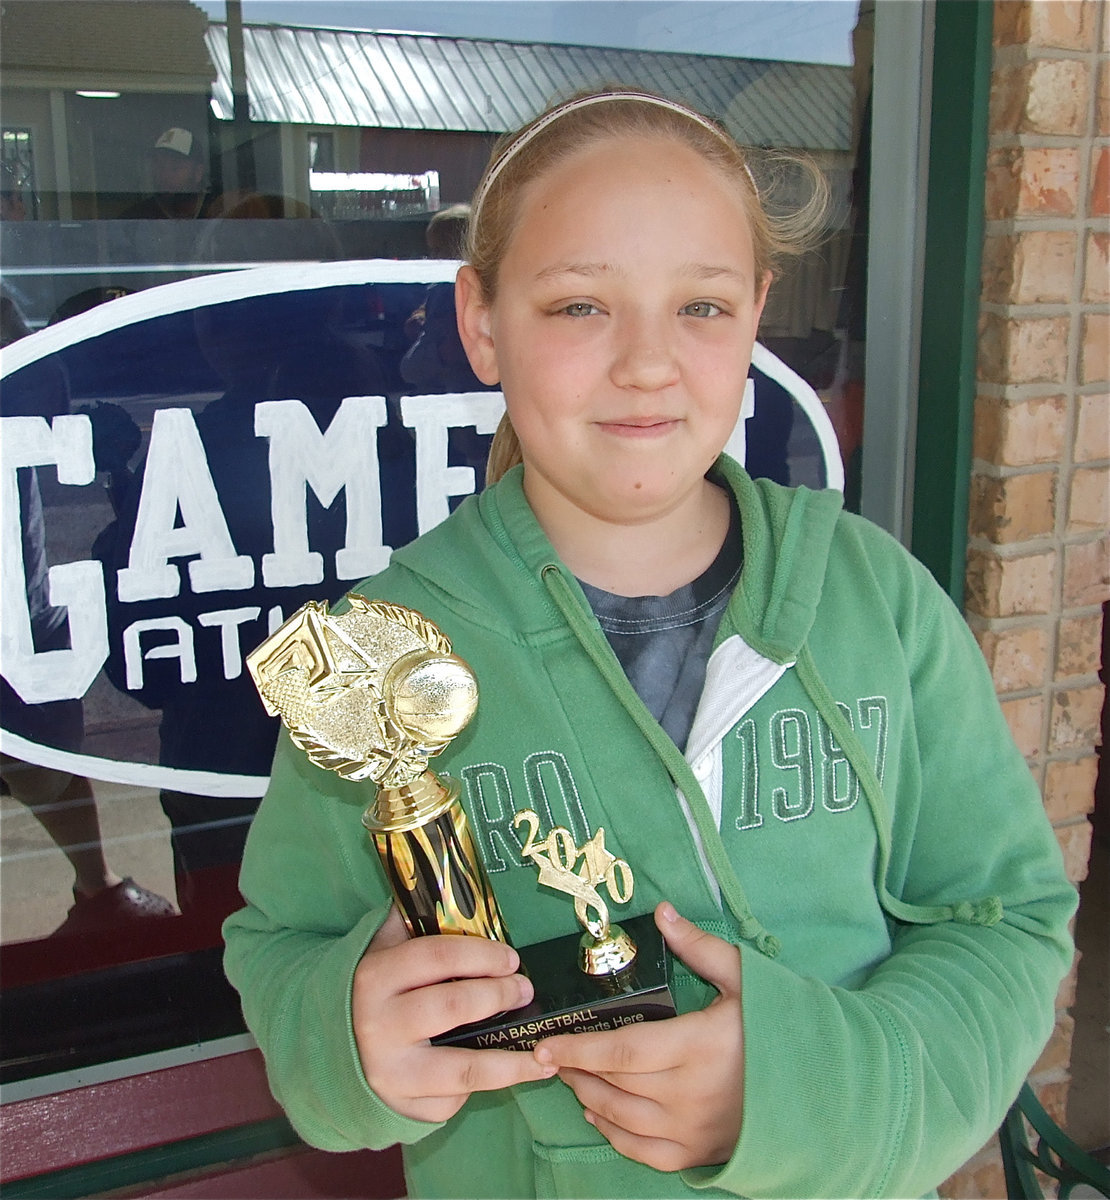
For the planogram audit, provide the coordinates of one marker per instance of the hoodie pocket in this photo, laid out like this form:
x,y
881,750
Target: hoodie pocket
x,y
570,1171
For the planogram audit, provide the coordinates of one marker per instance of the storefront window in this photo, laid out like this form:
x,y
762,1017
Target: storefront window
x,y
232,384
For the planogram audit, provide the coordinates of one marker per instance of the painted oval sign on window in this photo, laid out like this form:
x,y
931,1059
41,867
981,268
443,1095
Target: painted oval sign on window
x,y
185,466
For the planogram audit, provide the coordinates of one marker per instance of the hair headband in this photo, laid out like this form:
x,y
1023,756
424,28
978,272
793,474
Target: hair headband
x,y
570,106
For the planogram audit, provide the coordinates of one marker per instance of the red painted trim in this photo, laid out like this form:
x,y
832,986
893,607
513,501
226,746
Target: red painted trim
x,y
67,1129
295,1175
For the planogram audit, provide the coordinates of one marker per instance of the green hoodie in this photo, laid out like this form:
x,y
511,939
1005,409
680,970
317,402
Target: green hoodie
x,y
850,811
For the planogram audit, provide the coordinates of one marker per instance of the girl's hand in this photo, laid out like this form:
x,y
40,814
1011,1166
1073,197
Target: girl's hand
x,y
406,990
666,1093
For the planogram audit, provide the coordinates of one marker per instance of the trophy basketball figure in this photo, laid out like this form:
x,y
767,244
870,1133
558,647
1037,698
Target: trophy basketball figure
x,y
374,693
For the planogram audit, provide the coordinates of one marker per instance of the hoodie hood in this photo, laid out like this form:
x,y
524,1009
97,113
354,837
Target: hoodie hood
x,y
787,535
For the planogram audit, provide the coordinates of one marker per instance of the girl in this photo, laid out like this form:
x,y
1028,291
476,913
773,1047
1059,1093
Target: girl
x,y
779,720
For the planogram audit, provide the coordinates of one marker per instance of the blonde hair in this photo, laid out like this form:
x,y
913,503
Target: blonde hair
x,y
565,128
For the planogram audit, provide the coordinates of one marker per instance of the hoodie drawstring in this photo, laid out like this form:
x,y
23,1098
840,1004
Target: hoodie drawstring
x,y
984,911
749,927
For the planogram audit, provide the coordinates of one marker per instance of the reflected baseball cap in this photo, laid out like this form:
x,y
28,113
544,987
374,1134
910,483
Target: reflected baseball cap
x,y
180,141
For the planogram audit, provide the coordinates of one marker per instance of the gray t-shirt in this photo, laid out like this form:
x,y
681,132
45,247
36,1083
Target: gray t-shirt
x,y
663,642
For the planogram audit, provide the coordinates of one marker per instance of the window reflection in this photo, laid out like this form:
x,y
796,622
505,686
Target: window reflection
x,y
167,150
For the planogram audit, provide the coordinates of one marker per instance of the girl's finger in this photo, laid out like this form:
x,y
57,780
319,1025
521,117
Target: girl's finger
x,y
636,1112
716,961
420,962
643,1049
429,1011
660,1153
447,1071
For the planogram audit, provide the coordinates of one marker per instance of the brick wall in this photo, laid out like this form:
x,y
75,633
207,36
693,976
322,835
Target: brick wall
x,y
1038,569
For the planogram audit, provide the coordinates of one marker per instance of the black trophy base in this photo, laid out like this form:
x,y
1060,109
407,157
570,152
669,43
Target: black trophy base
x,y
568,1001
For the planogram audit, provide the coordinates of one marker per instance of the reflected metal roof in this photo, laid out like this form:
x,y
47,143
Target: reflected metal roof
x,y
429,82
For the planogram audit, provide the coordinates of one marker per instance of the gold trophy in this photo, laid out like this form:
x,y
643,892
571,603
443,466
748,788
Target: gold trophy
x,y
374,693
604,949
